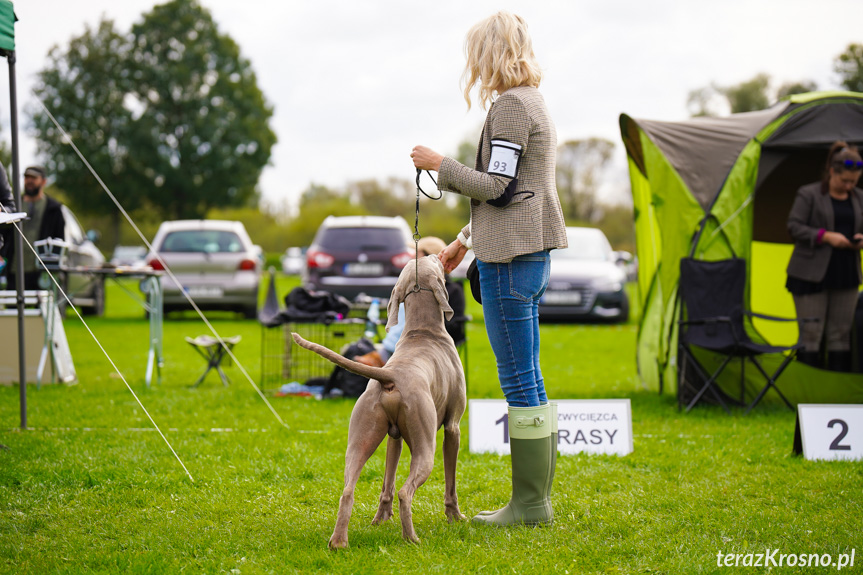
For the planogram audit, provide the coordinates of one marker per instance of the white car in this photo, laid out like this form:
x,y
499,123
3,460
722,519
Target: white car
x,y
214,261
129,256
293,261
87,291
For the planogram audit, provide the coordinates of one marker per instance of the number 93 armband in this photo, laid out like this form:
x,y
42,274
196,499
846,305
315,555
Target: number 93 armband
x,y
504,158
504,162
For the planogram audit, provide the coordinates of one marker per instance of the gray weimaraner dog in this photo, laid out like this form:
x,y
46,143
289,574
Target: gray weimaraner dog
x,y
420,389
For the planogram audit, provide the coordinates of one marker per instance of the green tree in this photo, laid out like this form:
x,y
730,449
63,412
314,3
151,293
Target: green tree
x,y
748,96
618,224
702,102
580,167
849,66
316,203
6,156
170,115
84,88
791,88
202,136
393,197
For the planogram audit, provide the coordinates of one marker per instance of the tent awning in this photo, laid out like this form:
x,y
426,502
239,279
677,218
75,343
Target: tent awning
x,y
7,26
703,150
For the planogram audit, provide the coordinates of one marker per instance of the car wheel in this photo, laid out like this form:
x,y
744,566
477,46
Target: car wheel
x,y
624,310
98,307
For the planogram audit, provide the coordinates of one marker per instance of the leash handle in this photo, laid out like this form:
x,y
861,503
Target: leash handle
x,y
420,189
417,235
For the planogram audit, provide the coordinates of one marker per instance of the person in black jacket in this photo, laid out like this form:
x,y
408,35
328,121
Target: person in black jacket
x,y
45,220
7,204
824,272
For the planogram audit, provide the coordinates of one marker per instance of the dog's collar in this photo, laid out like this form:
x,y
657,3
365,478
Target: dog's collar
x,y
417,288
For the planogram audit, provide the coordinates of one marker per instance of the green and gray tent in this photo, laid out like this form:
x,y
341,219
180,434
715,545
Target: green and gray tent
x,y
716,187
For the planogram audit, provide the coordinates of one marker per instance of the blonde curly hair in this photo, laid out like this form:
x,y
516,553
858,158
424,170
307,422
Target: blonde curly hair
x,y
499,56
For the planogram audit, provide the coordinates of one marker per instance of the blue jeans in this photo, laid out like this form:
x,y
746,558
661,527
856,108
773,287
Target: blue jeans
x,y
510,304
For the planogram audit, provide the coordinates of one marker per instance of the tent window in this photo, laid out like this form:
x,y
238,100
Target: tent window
x,y
788,170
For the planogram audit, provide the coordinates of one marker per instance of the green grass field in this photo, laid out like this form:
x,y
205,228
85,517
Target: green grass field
x,y
92,488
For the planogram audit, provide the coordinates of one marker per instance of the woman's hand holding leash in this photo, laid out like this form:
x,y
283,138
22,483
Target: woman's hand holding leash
x,y
452,255
426,158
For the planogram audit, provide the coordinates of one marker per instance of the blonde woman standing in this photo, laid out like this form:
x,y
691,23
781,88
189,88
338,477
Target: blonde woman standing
x,y
515,220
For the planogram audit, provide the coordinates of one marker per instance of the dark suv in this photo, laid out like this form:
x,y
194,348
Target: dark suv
x,y
358,254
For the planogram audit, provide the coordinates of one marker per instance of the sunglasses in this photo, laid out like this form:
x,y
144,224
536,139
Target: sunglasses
x,y
852,164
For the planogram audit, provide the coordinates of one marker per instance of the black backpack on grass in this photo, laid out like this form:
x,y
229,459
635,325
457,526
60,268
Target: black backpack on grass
x,y
351,384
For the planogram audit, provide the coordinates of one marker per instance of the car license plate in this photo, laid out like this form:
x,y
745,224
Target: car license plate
x,y
205,291
562,298
364,269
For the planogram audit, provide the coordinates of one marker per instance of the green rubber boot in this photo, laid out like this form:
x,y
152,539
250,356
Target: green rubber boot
x,y
554,436
553,445
532,468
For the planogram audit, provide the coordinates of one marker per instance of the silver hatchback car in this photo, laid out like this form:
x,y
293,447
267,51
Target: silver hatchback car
x,y
215,263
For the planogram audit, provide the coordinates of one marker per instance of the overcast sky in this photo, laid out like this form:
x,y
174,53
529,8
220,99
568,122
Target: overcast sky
x,y
355,85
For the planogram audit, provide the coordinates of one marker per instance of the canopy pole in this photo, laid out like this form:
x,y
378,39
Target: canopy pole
x,y
19,245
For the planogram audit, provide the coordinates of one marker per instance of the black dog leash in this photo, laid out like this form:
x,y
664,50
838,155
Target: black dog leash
x,y
417,235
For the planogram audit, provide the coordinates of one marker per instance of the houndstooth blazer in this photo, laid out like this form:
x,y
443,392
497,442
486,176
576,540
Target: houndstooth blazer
x,y
530,222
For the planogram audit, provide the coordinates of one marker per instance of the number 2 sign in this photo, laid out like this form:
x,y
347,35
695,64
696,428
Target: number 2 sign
x,y
831,431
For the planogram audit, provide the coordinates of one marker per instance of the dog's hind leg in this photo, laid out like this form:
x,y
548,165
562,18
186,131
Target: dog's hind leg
x,y
385,508
421,441
451,438
367,429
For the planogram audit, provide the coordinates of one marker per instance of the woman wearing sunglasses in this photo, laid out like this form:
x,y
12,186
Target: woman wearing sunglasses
x,y
824,275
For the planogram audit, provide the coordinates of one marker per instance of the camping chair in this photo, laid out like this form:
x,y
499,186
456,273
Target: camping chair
x,y
213,351
712,318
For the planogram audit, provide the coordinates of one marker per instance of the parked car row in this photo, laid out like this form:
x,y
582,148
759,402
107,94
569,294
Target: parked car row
x,y
217,265
365,254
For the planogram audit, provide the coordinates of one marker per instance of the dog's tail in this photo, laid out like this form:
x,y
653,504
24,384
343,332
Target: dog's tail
x,y
378,373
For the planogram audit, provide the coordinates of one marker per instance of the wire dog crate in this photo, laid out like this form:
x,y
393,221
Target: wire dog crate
x,y
282,360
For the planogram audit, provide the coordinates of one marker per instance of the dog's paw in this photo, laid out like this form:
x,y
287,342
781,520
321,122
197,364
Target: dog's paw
x,y
382,516
455,516
338,542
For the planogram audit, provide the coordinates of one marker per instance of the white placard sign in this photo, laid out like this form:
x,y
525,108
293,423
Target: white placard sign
x,y
504,158
831,431
584,425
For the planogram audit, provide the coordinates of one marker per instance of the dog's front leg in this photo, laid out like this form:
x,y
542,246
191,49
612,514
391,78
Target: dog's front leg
x,y
385,508
451,438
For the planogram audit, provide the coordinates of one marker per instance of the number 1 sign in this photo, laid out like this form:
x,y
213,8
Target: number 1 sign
x,y
586,425
831,431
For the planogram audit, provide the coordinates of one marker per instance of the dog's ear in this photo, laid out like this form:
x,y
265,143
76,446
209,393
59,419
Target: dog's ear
x,y
396,298
442,298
